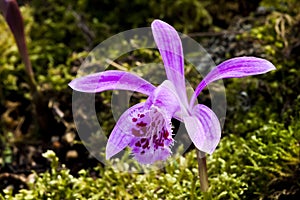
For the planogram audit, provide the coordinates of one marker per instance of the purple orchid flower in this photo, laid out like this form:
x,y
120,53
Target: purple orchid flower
x,y
146,127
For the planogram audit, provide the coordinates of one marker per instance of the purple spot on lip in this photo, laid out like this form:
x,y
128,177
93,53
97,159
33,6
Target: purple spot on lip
x,y
142,124
165,134
138,144
146,144
161,144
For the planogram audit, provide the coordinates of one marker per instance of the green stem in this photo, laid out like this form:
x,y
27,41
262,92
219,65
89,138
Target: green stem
x,y
202,170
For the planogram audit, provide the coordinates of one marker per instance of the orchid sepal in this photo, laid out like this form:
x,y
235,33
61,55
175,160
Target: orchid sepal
x,y
234,68
170,48
112,80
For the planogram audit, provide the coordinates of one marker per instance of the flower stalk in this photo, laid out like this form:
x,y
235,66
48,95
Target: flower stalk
x,y
202,170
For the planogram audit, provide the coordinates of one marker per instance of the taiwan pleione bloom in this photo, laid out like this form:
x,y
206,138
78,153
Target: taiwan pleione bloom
x,y
146,127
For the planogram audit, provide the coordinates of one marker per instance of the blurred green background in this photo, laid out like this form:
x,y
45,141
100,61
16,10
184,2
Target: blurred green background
x,y
258,156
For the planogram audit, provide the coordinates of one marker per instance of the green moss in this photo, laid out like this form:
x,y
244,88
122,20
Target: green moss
x,y
241,168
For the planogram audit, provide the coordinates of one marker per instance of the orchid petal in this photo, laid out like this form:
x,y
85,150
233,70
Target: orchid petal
x,y
170,48
203,128
166,98
112,80
234,68
121,135
211,125
153,133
